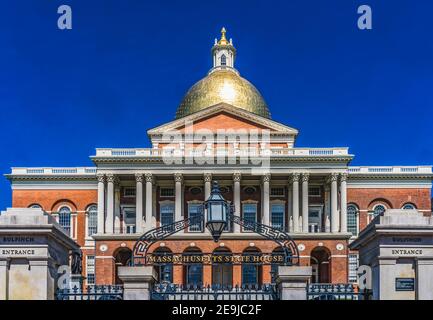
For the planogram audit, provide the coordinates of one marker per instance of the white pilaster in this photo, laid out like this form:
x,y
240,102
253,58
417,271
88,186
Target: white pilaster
x,y
139,203
149,189
101,203
117,228
265,185
305,178
334,202
237,199
109,222
178,179
343,202
295,201
327,208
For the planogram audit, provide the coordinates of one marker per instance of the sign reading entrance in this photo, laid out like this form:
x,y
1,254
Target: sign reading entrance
x,y
405,284
177,258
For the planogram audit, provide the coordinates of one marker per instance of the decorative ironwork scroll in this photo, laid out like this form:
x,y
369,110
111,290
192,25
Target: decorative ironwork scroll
x,y
284,240
143,244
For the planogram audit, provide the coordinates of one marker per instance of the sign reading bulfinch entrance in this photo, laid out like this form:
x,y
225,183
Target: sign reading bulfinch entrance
x,y
179,258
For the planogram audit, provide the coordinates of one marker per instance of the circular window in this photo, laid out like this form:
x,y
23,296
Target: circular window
x,y
195,190
250,190
224,189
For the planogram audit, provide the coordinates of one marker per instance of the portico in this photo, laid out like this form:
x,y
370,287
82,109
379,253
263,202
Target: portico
x,y
295,196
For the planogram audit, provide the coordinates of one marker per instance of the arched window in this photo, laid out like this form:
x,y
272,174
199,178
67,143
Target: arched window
x,y
378,210
223,60
409,206
65,219
164,270
222,267
352,219
92,220
251,269
35,206
193,269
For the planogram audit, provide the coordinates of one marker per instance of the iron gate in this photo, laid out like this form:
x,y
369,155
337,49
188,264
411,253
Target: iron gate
x,y
340,291
94,292
214,292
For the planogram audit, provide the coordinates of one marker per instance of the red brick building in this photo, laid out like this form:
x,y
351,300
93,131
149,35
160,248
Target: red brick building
x,y
222,131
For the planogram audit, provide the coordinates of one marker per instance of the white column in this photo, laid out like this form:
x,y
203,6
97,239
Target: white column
x,y
237,199
149,189
289,208
101,203
178,179
295,201
305,178
327,208
343,202
334,199
109,222
139,203
117,206
265,185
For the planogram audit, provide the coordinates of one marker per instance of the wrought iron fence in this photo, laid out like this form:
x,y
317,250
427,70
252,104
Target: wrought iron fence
x,y
214,292
340,291
94,292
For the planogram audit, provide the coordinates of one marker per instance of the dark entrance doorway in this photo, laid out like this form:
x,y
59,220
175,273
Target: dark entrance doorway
x,y
320,258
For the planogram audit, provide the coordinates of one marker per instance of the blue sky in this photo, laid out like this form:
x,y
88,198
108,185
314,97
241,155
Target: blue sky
x,y
125,66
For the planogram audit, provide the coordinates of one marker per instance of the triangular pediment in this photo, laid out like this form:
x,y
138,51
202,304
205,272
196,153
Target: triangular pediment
x,y
224,116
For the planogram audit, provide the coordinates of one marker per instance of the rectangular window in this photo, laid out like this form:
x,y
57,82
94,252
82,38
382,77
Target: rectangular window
x,y
353,267
167,192
129,192
249,213
167,214
195,210
277,216
277,192
315,191
90,270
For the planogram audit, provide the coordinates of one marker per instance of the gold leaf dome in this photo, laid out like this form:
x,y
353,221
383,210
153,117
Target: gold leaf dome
x,y
223,86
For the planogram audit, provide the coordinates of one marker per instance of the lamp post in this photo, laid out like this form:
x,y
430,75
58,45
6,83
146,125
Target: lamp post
x,y
217,209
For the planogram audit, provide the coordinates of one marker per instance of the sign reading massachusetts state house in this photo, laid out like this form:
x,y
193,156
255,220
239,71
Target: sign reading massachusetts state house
x,y
156,259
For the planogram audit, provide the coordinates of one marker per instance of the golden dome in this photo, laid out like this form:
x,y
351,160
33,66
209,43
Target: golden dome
x,y
223,86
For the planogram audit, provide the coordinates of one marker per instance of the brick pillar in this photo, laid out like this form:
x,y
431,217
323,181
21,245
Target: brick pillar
x,y
266,274
237,274
178,274
207,274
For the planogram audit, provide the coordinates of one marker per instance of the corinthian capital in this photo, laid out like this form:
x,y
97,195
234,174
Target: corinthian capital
x,y
333,177
207,177
237,177
266,177
100,177
111,178
343,177
305,177
148,177
295,177
139,177
178,177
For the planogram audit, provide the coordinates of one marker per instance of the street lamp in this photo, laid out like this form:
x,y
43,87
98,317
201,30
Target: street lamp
x,y
217,209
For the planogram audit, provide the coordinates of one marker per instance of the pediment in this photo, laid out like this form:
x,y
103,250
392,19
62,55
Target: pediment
x,y
226,117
